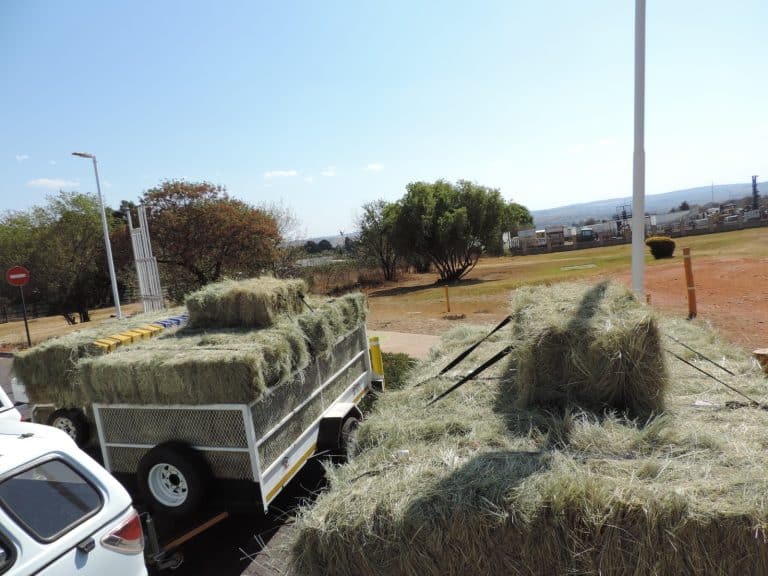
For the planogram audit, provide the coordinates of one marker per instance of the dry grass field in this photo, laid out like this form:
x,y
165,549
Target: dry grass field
x,y
12,335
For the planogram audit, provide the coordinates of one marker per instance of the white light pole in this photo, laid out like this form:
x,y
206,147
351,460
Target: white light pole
x,y
638,164
107,244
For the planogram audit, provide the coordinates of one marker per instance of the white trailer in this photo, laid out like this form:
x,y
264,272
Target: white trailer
x,y
180,456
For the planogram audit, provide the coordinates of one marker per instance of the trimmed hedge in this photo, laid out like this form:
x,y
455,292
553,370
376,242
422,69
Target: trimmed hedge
x,y
661,246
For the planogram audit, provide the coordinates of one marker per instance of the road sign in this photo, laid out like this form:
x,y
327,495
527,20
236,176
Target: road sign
x,y
17,276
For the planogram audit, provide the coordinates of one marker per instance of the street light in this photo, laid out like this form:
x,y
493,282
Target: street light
x,y
107,244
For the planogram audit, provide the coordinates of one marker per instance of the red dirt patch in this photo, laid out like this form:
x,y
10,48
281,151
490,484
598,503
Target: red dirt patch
x,y
731,293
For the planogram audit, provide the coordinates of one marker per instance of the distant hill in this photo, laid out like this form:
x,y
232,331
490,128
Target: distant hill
x,y
654,203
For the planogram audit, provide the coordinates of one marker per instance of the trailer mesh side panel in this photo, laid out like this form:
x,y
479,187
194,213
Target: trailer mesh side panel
x,y
220,428
231,465
289,432
344,380
328,365
283,399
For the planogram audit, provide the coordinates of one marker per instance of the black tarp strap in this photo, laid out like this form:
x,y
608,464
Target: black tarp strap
x,y
475,372
469,350
739,392
699,354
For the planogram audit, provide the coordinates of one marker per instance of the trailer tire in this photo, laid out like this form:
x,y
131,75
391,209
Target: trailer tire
x,y
73,422
348,437
173,479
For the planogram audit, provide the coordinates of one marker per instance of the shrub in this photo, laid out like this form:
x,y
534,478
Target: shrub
x,y
397,366
661,246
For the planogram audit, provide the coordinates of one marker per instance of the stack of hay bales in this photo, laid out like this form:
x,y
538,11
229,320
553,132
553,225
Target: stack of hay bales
x,y
264,338
498,482
49,370
243,338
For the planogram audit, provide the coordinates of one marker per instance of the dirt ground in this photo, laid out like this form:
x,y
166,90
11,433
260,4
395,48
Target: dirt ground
x,y
731,293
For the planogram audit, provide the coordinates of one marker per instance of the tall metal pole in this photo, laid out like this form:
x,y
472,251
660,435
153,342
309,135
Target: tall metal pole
x,y
638,164
107,244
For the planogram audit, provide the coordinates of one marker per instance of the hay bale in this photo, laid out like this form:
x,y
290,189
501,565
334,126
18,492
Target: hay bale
x,y
595,347
330,318
253,303
490,487
194,366
49,369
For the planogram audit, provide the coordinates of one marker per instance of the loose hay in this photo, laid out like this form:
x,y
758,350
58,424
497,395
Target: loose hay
x,y
49,369
254,303
594,347
492,487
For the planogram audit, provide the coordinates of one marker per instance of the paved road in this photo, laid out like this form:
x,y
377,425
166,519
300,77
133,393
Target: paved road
x,y
416,345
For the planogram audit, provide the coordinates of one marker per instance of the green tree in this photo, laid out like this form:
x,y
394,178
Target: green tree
x,y
377,236
200,235
450,224
516,215
62,244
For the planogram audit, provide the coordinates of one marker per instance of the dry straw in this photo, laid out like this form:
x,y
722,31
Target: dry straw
x,y
49,369
595,347
493,485
254,303
194,366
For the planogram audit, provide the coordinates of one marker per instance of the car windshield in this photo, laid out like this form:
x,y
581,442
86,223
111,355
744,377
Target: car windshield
x,y
49,499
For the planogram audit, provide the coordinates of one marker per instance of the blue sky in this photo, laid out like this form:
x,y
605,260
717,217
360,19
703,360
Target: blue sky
x,y
324,106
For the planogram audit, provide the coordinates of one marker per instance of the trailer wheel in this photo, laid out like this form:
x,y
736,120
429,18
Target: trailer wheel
x,y
348,437
173,478
73,422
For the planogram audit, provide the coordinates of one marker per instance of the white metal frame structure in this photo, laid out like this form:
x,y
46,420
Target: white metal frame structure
x,y
146,264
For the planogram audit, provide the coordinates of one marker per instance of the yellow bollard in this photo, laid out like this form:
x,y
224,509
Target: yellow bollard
x,y
377,362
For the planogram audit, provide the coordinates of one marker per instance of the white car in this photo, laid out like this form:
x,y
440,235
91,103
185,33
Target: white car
x,y
61,513
8,410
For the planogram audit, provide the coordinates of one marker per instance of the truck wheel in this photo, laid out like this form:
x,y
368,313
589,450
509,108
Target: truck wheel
x,y
348,437
173,478
73,422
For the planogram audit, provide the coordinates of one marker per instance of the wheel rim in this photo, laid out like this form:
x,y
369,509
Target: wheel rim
x,y
66,425
167,484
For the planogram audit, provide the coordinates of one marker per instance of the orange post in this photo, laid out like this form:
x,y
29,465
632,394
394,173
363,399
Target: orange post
x,y
447,299
689,283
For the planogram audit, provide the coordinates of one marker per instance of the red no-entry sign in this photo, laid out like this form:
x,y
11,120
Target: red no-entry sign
x,y
17,276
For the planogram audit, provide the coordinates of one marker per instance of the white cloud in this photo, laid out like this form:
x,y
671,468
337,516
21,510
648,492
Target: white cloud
x,y
272,174
330,171
374,167
107,184
53,183
21,157
607,142
577,148
52,162
308,179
